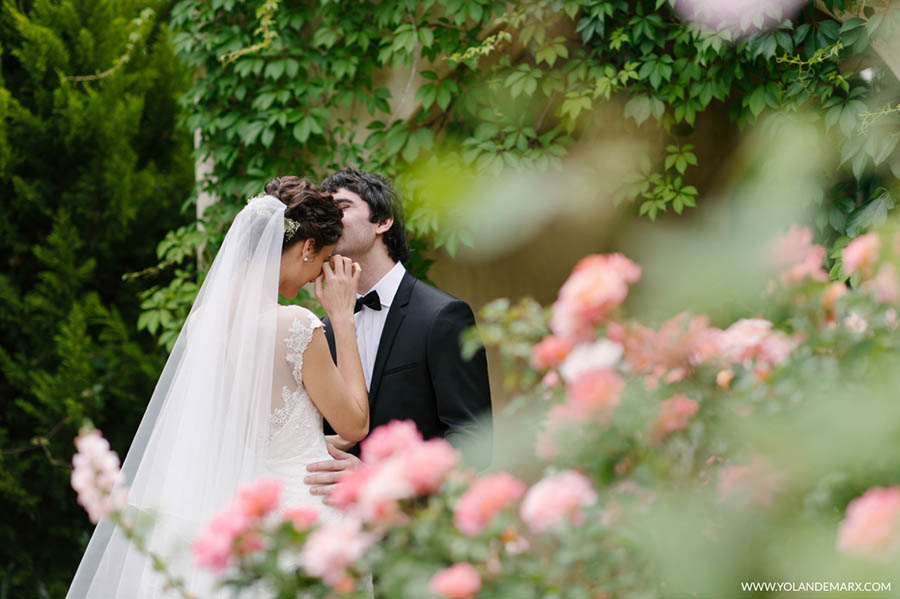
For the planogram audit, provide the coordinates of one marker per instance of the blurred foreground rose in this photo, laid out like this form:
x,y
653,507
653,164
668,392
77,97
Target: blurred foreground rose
x,y
397,465
459,581
598,284
738,16
674,414
871,527
860,254
796,258
331,549
233,531
95,476
556,499
484,500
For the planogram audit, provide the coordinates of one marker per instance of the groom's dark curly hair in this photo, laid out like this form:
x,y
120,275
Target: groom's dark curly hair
x,y
379,194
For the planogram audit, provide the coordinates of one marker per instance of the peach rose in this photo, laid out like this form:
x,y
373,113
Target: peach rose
x,y
860,254
871,526
674,414
484,500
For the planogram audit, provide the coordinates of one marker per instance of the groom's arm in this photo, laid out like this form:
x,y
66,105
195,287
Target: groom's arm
x,y
461,388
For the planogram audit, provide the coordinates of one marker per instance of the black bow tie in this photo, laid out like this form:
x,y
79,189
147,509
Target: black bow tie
x,y
370,299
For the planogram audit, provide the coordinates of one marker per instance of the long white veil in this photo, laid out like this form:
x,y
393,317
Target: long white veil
x,y
205,428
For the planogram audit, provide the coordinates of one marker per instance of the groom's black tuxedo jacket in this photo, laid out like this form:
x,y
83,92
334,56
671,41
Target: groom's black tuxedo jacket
x,y
420,375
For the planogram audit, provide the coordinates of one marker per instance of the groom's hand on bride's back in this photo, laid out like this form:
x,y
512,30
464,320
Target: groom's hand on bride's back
x,y
324,475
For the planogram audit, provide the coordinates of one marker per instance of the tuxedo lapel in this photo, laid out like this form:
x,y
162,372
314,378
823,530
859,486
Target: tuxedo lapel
x,y
389,333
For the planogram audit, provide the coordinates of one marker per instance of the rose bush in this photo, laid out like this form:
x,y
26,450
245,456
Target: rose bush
x,y
663,461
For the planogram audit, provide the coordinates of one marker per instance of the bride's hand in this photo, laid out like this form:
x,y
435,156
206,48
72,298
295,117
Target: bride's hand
x,y
337,285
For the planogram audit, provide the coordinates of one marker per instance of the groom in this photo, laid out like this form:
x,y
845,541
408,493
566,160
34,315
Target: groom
x,y
408,333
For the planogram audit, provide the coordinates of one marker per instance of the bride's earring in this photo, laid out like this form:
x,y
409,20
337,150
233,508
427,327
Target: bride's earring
x,y
306,258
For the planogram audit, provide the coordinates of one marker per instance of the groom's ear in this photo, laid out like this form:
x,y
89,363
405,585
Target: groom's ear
x,y
384,226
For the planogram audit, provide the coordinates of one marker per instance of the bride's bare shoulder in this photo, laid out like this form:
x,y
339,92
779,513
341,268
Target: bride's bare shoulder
x,y
287,315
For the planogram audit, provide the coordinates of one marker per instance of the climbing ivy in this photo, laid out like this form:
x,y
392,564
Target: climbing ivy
x,y
289,87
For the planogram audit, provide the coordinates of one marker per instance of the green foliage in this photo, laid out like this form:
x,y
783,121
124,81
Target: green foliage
x,y
306,88
92,172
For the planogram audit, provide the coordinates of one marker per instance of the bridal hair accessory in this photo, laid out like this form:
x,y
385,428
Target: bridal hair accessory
x,y
290,227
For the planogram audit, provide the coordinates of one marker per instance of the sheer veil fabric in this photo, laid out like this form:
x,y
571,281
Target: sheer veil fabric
x,y
205,429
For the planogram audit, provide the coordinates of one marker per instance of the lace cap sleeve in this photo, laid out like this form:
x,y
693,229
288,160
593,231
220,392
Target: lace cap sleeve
x,y
299,336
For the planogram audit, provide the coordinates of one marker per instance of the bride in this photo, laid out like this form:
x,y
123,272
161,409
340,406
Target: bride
x,y
243,392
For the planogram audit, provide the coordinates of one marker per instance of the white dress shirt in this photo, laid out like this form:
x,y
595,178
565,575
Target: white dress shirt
x,y
370,323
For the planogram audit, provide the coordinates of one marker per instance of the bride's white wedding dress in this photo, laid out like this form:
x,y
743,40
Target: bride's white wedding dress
x,y
296,436
229,408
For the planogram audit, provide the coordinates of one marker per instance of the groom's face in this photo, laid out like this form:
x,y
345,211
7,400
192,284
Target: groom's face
x,y
359,232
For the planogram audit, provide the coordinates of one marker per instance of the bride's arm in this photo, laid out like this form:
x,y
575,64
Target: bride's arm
x,y
340,442
339,392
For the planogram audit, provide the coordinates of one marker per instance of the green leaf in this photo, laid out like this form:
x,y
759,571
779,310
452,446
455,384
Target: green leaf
x,y
756,100
444,97
395,139
267,136
274,70
427,94
638,108
250,131
303,129
426,36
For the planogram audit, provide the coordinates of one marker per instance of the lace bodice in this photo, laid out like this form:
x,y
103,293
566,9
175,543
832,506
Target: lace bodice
x,y
295,425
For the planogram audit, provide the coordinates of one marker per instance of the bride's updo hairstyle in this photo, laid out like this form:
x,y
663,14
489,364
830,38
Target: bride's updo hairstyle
x,y
317,216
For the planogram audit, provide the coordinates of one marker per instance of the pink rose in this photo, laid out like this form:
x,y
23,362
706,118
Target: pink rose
x,y
860,254
755,481
260,498
598,284
628,270
595,394
388,439
484,500
427,465
884,286
681,343
550,351
741,341
556,499
551,380
856,323
301,517
674,414
739,16
329,550
346,491
95,476
871,526
599,355
459,581
380,492
212,551
796,258
752,339
215,544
